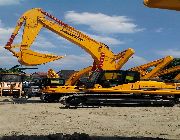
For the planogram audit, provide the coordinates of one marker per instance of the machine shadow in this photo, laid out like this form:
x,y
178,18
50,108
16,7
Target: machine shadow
x,y
75,136
20,101
123,105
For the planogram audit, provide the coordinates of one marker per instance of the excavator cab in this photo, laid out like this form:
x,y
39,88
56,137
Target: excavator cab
x,y
53,82
111,78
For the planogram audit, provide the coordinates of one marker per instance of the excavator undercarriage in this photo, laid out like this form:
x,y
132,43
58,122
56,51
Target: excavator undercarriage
x,y
113,88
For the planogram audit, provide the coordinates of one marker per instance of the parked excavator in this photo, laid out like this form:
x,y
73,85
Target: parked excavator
x,y
117,87
107,84
138,85
153,92
35,19
157,69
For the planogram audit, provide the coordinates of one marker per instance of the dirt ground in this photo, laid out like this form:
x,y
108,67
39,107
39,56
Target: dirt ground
x,y
32,117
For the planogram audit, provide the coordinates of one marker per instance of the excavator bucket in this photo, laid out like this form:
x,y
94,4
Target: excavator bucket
x,y
163,4
30,58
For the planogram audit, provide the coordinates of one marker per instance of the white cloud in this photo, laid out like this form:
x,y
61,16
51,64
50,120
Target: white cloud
x,y
159,30
172,52
42,42
9,2
5,34
107,40
69,62
103,23
74,61
135,61
6,58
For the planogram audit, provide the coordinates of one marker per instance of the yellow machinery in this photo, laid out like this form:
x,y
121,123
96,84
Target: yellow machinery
x,y
113,87
163,4
157,64
52,74
35,19
168,71
106,83
153,70
177,77
75,76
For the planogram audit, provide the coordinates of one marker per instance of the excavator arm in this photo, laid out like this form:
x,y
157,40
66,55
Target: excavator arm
x,y
52,74
75,76
177,77
157,64
167,71
31,29
35,19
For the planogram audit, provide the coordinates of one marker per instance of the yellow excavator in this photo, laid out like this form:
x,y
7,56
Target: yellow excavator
x,y
114,87
107,84
34,20
72,85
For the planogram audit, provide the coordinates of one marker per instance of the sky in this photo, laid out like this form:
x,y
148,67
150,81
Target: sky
x,y
121,24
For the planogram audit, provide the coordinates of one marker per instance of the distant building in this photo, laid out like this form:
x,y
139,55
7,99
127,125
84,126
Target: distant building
x,y
39,75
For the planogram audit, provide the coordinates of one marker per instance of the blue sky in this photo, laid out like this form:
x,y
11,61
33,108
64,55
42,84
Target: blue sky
x,y
121,24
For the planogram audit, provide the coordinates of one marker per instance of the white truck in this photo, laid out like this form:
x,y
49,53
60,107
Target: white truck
x,y
11,84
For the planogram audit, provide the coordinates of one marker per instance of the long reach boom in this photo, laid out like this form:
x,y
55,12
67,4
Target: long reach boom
x,y
35,19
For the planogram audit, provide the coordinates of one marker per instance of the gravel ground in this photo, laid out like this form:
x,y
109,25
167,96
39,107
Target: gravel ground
x,y
33,118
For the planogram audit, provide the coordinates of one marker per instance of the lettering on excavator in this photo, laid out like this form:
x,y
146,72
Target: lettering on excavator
x,y
77,37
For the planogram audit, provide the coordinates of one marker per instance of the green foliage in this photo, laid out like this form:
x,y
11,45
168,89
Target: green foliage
x,y
15,69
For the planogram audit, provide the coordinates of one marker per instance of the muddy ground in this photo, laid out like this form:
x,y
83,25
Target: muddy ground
x,y
33,118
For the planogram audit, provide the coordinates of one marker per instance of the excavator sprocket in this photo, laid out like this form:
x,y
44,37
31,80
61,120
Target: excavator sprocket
x,y
30,58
